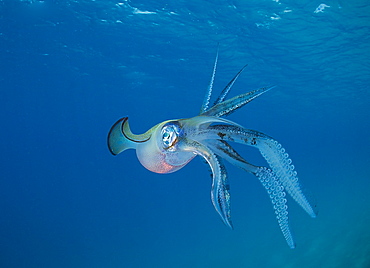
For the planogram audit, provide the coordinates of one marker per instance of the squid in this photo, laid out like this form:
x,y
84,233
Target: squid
x,y
171,145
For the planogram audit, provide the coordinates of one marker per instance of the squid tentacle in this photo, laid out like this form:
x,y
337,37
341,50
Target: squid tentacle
x,y
271,150
220,194
231,105
268,179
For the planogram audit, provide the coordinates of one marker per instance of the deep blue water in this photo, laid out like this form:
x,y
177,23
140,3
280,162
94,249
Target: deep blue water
x,y
69,69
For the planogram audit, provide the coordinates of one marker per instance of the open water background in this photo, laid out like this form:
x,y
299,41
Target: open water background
x,y
69,69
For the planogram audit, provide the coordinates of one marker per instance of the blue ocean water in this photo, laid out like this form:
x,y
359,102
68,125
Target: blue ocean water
x,y
69,69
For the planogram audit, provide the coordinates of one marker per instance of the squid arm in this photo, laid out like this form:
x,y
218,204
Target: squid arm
x,y
268,179
220,194
208,95
271,150
228,87
227,107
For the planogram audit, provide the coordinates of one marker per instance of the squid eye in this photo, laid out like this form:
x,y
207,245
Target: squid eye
x,y
170,134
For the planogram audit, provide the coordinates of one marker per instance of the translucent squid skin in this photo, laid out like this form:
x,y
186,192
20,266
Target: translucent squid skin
x,y
170,145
